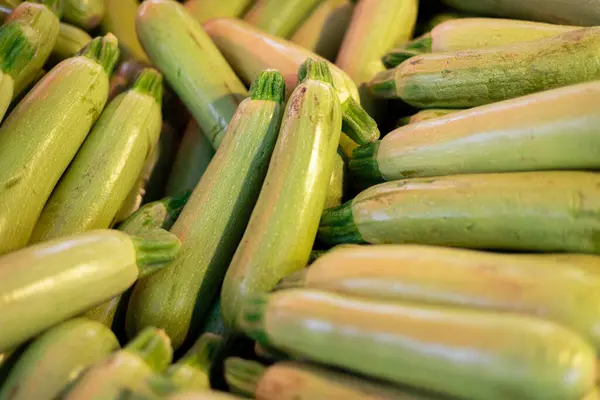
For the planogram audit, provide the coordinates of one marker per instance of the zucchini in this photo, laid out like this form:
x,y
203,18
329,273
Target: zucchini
x,y
119,19
480,355
527,211
290,380
86,14
213,220
125,75
37,143
473,33
69,42
476,77
425,115
192,64
203,10
148,353
280,18
76,272
213,323
56,358
294,190
560,288
335,192
108,165
193,157
552,130
249,50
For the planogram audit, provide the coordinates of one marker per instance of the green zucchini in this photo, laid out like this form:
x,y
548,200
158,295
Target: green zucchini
x,y
526,211
213,323
69,42
280,18
37,143
203,10
451,351
76,272
294,190
471,78
56,358
192,65
107,165
119,19
86,14
213,220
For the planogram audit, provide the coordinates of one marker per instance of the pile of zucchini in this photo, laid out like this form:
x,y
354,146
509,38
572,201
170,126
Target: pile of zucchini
x,y
299,199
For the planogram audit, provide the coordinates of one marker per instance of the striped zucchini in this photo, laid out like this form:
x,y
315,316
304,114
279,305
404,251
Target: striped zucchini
x,y
76,273
108,165
552,130
479,355
476,77
119,19
528,211
473,33
37,143
203,10
148,353
86,14
192,64
294,190
249,51
213,220
560,288
280,18
69,42
56,358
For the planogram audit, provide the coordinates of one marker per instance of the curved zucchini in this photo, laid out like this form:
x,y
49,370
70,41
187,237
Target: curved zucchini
x,y
76,272
119,19
86,14
37,143
69,42
56,358
294,190
476,77
552,130
249,51
203,10
280,18
480,355
192,64
527,211
213,220
107,165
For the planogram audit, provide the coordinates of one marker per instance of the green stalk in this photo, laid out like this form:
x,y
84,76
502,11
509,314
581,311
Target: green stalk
x,y
413,48
243,376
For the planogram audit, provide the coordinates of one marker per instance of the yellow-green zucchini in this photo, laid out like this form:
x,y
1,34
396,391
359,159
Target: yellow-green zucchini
x,y
119,19
86,14
335,192
37,143
69,42
203,10
294,190
451,351
280,18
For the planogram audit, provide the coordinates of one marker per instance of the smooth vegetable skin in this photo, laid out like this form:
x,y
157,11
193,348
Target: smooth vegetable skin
x,y
508,355
119,19
86,14
191,63
557,287
203,10
527,211
284,222
37,143
76,273
213,220
56,358
552,130
69,42
471,78
280,18
249,51
425,115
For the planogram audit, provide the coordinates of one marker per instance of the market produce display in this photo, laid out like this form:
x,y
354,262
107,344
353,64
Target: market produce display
x,y
299,200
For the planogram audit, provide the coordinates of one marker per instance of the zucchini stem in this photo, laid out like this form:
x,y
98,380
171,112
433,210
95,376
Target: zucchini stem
x,y
251,317
383,84
357,123
243,376
316,70
154,250
104,50
201,355
16,48
338,227
175,204
269,85
154,347
150,82
397,56
363,163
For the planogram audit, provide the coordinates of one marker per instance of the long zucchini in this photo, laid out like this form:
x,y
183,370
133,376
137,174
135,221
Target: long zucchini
x,y
56,358
249,51
552,130
528,211
280,18
192,64
476,77
76,273
457,352
119,19
86,14
37,143
203,10
294,190
69,42
213,220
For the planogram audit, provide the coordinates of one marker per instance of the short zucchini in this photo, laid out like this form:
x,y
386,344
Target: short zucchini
x,y
86,14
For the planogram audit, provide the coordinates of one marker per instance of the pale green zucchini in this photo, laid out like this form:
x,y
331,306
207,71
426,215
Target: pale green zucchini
x,y
335,192
213,220
425,115
86,14
295,189
203,10
69,42
119,19
280,18
451,351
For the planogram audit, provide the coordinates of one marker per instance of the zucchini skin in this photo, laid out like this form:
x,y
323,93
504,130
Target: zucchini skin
x,y
280,18
56,358
86,14
203,10
119,19
509,356
69,42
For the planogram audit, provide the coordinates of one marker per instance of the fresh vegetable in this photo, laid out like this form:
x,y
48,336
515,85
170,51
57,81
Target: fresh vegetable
x,y
423,346
56,358
425,115
76,273
551,130
203,10
473,33
192,64
294,190
280,18
37,143
323,31
530,211
476,77
86,14
250,50
125,75
335,192
69,42
119,19
214,218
